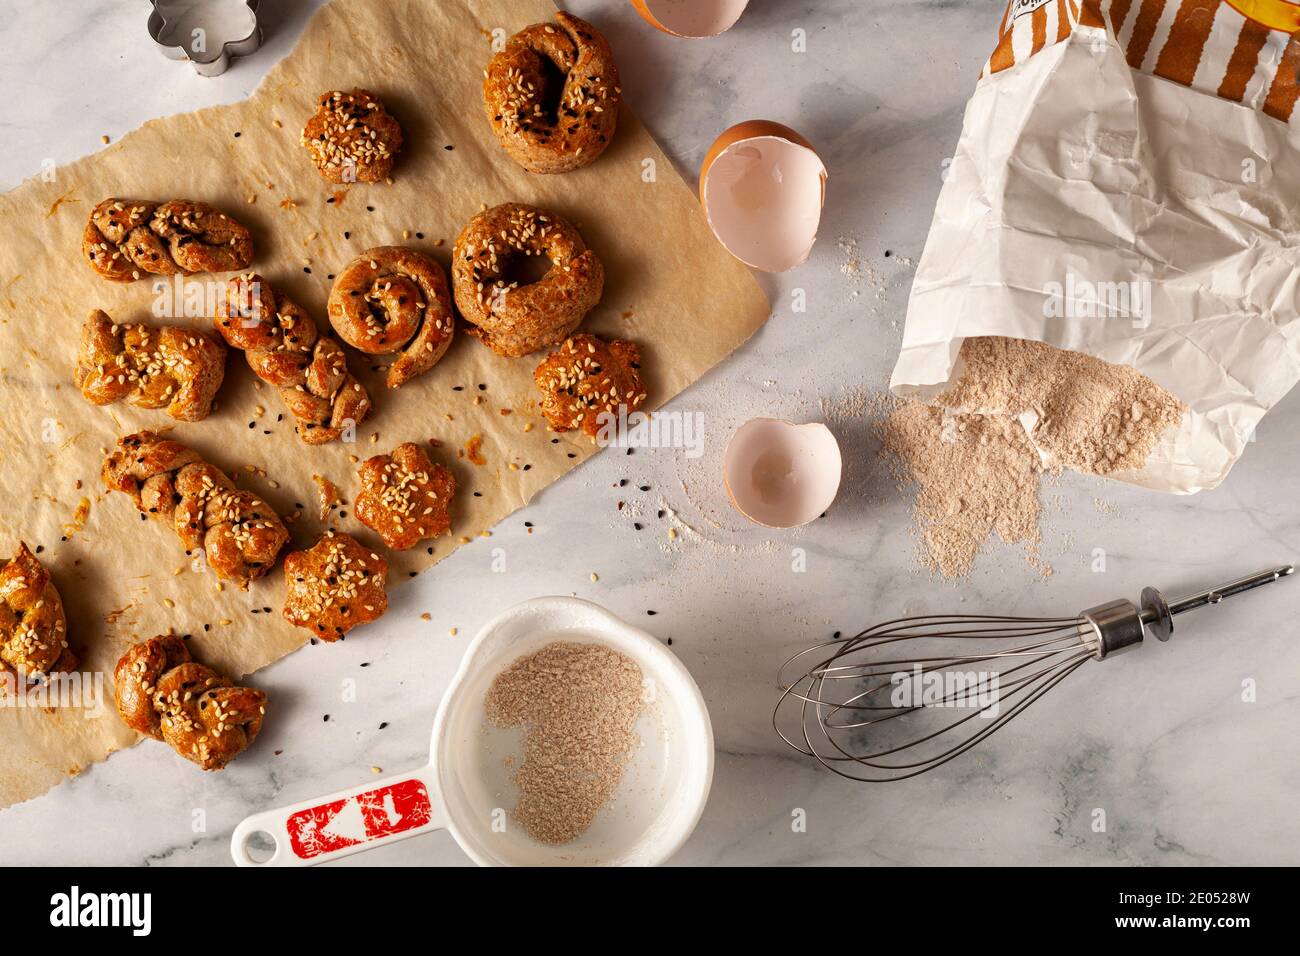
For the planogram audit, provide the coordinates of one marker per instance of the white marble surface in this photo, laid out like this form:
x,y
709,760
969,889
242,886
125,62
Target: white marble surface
x,y
1186,771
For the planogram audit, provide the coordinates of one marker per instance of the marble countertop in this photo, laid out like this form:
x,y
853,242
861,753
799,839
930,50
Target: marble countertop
x,y
1186,771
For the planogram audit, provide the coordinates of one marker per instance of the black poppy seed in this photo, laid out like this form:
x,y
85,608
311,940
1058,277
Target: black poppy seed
x,y
622,482
325,719
383,724
652,613
307,269
419,235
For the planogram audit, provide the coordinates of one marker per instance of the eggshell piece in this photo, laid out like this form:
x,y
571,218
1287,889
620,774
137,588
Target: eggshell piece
x,y
691,19
763,186
780,474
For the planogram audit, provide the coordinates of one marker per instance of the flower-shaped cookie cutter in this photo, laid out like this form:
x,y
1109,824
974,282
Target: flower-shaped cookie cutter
x,y
208,33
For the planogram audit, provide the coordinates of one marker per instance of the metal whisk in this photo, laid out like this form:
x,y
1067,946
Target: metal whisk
x,y
909,695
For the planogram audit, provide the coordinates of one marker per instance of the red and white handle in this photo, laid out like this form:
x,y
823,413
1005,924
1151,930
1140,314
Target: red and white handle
x,y
329,828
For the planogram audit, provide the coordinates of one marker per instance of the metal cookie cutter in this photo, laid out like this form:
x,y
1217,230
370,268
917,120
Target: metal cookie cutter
x,y
208,33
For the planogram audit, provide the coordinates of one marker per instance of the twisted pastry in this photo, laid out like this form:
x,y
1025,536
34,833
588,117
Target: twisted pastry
x,y
514,319
33,629
240,534
552,95
284,348
149,367
394,300
127,237
200,714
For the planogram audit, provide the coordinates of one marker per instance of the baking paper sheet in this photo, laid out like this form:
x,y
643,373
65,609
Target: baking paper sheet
x,y
1102,209
670,287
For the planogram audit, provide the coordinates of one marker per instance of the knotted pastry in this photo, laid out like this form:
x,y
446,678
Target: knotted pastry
x,y
393,300
285,348
352,138
514,319
334,586
126,238
405,497
552,95
239,533
33,629
586,380
149,366
203,716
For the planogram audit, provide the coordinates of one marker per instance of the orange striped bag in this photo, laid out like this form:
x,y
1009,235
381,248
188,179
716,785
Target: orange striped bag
x,y
1127,184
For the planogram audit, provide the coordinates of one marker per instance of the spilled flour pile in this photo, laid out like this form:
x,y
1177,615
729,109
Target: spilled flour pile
x,y
973,467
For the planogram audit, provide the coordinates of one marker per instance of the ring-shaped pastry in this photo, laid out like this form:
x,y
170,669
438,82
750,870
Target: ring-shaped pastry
x,y
552,95
512,317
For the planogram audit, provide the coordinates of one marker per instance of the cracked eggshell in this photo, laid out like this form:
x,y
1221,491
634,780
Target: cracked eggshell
x,y
780,474
691,19
763,187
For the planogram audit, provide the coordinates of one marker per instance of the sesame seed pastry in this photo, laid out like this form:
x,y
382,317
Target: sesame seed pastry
x,y
126,239
392,300
205,717
285,348
352,138
239,534
405,498
334,586
149,366
586,377
514,318
552,95
33,629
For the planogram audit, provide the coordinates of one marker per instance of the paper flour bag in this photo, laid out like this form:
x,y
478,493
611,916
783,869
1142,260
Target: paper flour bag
x,y
1127,185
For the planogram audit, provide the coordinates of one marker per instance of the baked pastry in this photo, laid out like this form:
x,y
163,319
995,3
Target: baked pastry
x,y
334,586
238,533
511,318
393,300
149,366
128,238
404,497
203,716
585,381
33,629
351,137
552,95
285,348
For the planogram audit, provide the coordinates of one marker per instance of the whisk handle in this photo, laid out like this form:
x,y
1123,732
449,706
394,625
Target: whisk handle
x,y
1158,614
1119,625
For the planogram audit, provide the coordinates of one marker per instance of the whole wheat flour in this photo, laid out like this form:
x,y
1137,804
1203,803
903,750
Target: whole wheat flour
x,y
972,464
578,705
1092,416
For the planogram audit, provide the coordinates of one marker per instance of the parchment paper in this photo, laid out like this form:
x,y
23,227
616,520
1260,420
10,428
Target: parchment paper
x,y
1080,184
670,287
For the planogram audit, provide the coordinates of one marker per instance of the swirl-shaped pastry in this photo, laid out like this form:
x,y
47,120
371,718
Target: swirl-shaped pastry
x,y
284,348
202,715
552,95
394,300
514,319
33,629
126,238
352,138
239,533
149,367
